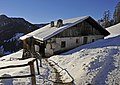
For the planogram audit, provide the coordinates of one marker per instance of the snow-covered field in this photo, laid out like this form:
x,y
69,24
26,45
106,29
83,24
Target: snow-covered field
x,y
97,63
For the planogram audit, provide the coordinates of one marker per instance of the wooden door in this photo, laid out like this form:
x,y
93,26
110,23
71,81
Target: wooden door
x,y
85,40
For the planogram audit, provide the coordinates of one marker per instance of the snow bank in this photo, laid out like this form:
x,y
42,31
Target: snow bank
x,y
12,56
96,63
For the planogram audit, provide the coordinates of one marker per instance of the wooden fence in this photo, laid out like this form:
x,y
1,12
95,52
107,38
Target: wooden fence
x,y
32,71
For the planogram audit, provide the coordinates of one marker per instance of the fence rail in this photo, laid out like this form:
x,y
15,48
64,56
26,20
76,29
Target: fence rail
x,y
24,76
14,66
32,71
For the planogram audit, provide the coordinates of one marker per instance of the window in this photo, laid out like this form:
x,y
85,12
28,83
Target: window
x,y
77,41
93,40
63,44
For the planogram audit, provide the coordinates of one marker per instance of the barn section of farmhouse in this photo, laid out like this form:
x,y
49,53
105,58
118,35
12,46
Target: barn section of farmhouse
x,y
63,35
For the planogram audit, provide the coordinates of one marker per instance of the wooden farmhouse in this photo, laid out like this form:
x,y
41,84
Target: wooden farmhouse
x,y
63,35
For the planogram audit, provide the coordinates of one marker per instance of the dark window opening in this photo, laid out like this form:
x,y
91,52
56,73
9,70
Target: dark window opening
x,y
50,45
63,44
77,41
93,40
85,40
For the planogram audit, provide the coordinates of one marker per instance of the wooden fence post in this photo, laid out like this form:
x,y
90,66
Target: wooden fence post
x,y
32,70
37,67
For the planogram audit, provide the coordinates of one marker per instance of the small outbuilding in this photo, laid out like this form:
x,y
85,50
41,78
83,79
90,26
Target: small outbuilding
x,y
63,35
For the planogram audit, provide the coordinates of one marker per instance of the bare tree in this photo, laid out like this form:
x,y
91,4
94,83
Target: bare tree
x,y
106,20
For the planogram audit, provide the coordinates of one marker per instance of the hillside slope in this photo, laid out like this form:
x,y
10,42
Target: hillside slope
x,y
10,30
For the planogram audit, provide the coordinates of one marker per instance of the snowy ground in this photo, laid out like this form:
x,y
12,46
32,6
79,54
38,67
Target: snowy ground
x,y
47,73
97,63
98,66
46,77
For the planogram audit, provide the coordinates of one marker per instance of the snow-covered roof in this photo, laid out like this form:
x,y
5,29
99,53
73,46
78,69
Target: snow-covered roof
x,y
47,31
114,30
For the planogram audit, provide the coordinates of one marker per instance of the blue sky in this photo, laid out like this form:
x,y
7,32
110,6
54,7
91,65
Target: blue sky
x,y
42,11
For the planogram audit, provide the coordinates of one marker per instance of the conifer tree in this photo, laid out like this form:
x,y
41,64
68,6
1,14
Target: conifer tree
x,y
116,15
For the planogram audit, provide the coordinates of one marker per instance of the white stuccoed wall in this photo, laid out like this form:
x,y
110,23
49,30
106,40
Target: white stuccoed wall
x,y
70,43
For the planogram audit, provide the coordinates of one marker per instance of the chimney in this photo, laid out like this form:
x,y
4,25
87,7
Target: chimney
x,y
59,23
52,23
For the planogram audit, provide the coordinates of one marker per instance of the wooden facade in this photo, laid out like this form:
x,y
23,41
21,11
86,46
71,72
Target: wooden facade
x,y
81,29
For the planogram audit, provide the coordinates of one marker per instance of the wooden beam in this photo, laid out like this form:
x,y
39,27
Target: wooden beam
x,y
13,66
37,67
32,70
24,76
